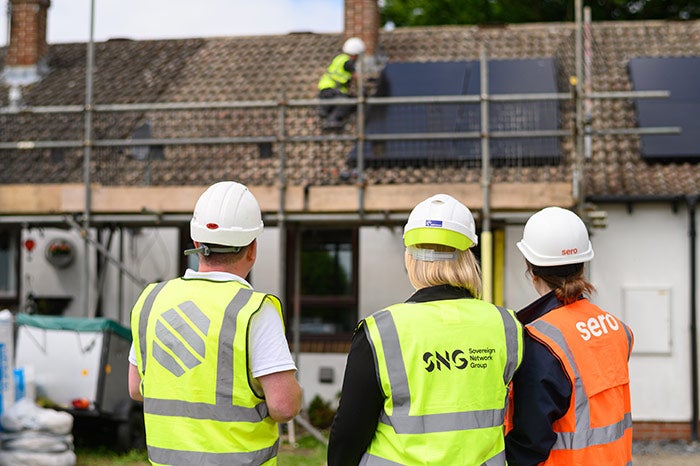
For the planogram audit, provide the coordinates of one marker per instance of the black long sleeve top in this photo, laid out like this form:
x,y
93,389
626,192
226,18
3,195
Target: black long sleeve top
x,y
541,393
362,399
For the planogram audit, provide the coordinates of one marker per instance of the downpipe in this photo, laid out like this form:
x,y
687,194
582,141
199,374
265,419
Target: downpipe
x,y
691,201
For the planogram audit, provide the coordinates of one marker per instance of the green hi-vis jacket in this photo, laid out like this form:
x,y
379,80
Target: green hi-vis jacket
x,y
444,367
336,76
191,337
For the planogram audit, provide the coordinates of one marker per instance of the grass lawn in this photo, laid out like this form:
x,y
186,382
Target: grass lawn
x,y
308,451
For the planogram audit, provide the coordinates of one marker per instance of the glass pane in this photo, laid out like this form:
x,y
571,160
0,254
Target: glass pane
x,y
327,320
326,263
8,268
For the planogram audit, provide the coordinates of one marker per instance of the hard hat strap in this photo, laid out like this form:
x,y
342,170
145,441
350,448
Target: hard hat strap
x,y
207,250
430,255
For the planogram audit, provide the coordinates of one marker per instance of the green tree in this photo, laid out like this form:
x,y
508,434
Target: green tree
x,y
445,12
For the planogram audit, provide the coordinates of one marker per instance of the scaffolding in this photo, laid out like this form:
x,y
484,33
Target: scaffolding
x,y
276,143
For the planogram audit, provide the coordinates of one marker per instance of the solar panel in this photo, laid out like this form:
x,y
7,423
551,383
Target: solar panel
x,y
463,78
681,77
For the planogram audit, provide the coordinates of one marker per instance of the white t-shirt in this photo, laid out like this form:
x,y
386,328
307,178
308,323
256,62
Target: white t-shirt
x,y
269,351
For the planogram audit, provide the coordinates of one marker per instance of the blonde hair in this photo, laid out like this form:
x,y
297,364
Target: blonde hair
x,y
463,271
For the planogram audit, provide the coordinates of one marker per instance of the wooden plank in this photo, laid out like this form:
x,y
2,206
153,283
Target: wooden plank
x,y
397,198
132,199
404,197
530,196
31,199
70,198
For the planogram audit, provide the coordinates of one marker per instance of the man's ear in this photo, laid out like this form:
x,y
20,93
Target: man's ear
x,y
252,250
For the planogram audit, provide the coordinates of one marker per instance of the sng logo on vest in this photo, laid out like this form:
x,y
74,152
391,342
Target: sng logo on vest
x,y
437,360
457,359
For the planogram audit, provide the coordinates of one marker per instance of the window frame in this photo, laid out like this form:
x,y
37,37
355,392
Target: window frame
x,y
311,342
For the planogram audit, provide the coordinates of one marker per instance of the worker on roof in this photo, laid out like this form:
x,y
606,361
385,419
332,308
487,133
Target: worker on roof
x,y
210,358
571,395
335,83
426,380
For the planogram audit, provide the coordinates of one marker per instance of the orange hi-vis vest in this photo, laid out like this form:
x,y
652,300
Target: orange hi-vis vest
x,y
594,348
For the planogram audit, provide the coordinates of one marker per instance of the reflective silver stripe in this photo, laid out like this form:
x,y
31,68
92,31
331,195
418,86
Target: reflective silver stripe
x,y
189,458
597,436
630,340
498,460
444,422
585,435
224,365
400,420
194,410
398,379
371,460
173,343
166,360
143,321
511,330
180,324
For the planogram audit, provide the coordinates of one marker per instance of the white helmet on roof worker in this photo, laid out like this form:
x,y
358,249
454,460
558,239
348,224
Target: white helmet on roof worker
x,y
354,46
226,214
443,220
555,236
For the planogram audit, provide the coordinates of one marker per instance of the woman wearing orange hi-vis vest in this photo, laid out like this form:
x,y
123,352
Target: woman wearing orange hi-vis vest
x,y
571,396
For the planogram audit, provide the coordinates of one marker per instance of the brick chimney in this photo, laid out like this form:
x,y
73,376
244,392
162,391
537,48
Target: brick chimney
x,y
362,20
27,50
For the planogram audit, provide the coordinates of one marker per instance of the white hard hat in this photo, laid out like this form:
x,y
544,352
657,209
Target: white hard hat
x,y
354,46
441,219
227,214
555,236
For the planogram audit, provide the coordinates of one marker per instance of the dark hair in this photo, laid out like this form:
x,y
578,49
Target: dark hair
x,y
567,281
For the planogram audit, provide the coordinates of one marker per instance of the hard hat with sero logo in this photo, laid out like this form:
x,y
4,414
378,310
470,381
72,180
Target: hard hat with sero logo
x,y
441,219
228,214
555,236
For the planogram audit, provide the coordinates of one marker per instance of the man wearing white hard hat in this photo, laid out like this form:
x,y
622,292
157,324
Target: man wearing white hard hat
x,y
426,380
210,358
571,395
335,83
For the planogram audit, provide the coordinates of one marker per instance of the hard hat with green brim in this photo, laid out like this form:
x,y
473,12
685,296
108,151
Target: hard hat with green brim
x,y
441,219
437,235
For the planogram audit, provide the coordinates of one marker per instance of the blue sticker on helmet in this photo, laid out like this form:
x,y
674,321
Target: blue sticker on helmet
x,y
433,223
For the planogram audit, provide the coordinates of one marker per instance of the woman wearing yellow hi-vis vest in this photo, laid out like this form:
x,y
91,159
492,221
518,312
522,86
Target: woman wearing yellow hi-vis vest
x,y
209,357
426,380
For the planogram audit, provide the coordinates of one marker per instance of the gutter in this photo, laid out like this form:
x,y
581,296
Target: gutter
x,y
691,203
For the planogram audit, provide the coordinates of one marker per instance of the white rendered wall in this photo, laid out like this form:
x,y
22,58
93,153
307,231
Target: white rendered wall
x,y
152,254
265,275
310,366
382,274
644,250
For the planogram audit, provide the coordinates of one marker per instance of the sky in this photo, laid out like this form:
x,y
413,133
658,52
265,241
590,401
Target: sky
x,y
69,20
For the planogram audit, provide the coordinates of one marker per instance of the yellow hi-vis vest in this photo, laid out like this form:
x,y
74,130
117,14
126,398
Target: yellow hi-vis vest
x,y
191,339
444,368
336,76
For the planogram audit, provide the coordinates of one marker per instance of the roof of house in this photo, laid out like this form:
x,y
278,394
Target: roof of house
x,y
279,67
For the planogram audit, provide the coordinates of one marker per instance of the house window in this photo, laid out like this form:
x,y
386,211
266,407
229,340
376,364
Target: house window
x,y
327,287
8,266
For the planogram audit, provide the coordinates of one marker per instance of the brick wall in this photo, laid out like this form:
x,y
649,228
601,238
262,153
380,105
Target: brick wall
x,y
362,20
661,431
27,32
